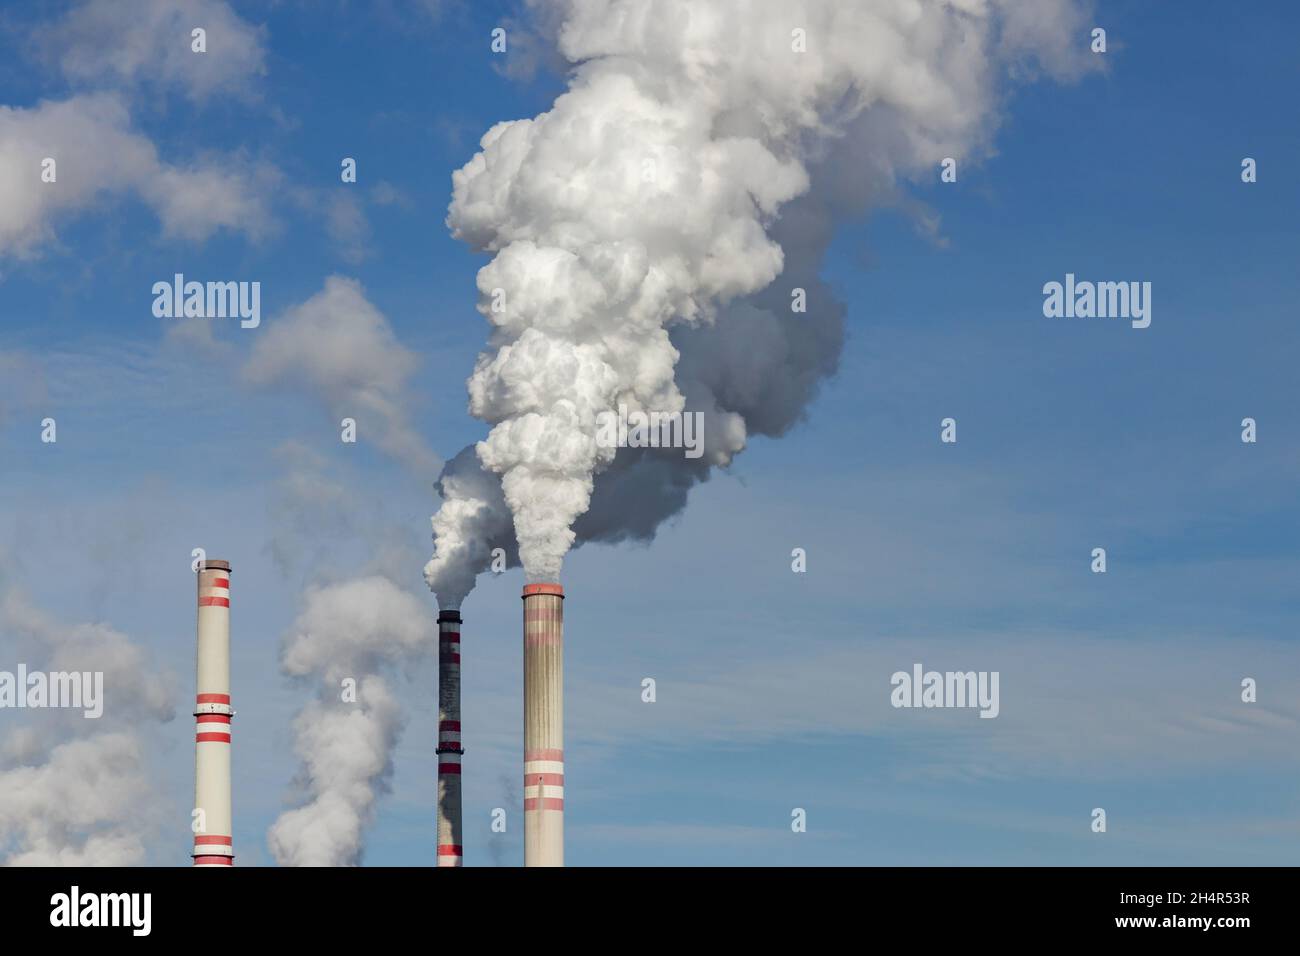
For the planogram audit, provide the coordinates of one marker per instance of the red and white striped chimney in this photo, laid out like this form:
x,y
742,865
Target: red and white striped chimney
x,y
543,725
449,749
213,845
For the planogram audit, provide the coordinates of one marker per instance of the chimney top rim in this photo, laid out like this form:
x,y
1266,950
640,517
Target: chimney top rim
x,y
531,590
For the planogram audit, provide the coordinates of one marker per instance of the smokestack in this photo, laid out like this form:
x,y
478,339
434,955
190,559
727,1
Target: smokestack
x,y
543,725
212,844
449,750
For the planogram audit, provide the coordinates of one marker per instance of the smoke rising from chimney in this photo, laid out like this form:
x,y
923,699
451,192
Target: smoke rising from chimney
x,y
348,630
639,225
472,521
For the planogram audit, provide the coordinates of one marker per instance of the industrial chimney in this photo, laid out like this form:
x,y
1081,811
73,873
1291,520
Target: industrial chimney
x,y
449,750
543,725
212,841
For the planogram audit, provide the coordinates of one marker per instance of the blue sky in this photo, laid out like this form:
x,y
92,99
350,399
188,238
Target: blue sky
x,y
1119,691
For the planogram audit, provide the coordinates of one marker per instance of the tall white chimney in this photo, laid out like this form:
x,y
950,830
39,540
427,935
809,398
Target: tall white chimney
x,y
213,845
543,725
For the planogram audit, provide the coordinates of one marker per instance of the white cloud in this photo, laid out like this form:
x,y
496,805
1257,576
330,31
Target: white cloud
x,y
81,807
194,336
101,42
384,193
1053,35
75,791
348,227
99,156
339,345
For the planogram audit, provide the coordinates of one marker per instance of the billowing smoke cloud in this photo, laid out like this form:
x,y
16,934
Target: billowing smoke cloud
x,y
345,738
356,625
472,521
76,791
639,227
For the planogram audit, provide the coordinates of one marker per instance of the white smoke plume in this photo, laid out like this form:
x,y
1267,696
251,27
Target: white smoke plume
x,y
640,224
472,521
349,630
77,791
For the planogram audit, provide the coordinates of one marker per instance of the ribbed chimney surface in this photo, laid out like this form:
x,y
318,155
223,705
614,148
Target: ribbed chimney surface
x,y
449,749
543,725
213,845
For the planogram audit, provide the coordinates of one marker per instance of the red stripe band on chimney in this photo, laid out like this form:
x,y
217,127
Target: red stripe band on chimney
x,y
543,755
213,716
449,849
548,803
448,768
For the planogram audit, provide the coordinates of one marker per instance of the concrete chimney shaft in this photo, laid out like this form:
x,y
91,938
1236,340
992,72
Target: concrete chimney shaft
x,y
543,725
213,845
449,749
